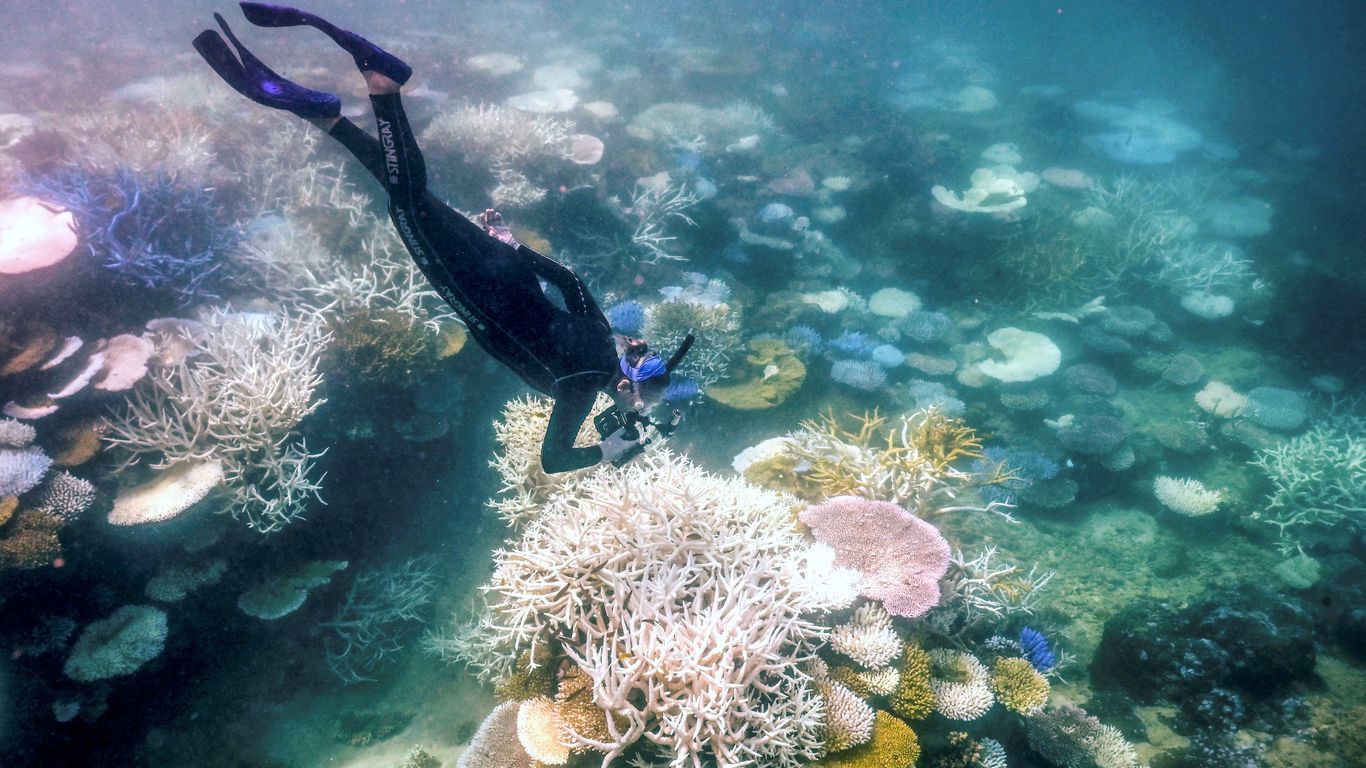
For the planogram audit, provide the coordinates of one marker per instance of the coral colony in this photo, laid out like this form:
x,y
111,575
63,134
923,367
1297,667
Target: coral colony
x,y
1010,436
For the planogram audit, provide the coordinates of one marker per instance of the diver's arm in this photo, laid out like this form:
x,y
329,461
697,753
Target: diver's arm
x,y
577,298
558,453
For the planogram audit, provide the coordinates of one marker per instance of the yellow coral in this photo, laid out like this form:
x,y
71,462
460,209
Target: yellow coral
x,y
450,340
7,506
528,682
574,701
913,698
381,346
905,461
774,373
894,745
1018,685
851,679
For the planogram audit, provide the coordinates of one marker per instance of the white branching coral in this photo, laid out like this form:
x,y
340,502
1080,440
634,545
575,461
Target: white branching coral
x,y
688,601
868,638
1186,496
237,402
982,590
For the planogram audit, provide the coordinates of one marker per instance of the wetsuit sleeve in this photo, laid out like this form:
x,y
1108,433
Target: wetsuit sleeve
x,y
558,453
577,298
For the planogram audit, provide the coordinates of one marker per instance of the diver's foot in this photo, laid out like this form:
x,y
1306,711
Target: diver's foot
x,y
379,85
368,56
253,79
493,224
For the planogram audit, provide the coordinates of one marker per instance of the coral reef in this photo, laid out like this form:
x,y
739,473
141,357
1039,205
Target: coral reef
x,y
1069,738
1018,685
238,402
598,573
1186,496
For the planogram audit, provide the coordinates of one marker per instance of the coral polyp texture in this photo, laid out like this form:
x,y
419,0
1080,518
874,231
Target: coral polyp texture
x,y
901,557
688,600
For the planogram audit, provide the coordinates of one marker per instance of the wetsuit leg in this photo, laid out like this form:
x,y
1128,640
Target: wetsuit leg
x,y
365,147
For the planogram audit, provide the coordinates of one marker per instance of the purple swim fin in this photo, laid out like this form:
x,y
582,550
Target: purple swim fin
x,y
253,79
368,56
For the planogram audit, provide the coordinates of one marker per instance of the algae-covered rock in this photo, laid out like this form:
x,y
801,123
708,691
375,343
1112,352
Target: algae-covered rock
x,y
772,373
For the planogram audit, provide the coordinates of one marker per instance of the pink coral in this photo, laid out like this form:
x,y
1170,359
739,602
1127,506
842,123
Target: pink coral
x,y
902,558
33,235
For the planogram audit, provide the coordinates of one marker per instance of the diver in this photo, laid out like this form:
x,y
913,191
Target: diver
x,y
489,279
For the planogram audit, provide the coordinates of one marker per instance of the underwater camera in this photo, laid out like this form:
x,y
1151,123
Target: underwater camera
x,y
631,425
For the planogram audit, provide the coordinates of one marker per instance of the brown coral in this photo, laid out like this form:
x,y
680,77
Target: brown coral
x,y
913,698
381,346
30,541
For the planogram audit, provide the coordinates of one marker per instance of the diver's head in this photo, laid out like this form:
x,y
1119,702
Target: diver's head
x,y
644,375
644,378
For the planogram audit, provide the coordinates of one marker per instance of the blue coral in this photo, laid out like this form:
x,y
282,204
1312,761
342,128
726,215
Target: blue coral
x,y
926,327
627,316
858,374
150,230
682,389
853,344
804,338
1036,649
1020,469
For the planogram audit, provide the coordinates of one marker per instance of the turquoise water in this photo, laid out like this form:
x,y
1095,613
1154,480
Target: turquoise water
x,y
1065,298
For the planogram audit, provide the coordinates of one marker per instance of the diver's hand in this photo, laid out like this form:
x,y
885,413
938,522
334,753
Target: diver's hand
x,y
616,445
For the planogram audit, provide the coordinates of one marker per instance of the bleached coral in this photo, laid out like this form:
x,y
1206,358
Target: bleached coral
x,y
961,685
1186,496
849,719
1318,482
238,402
688,601
868,638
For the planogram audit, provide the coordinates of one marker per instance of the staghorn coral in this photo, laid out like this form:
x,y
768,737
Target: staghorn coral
x,y
913,698
617,571
526,487
1318,483
908,461
979,591
149,230
1017,685
379,612
238,402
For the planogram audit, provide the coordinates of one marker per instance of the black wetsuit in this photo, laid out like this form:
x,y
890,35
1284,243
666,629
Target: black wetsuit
x,y
568,355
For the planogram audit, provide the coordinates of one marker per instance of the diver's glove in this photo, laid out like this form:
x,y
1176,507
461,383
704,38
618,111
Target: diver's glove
x,y
618,449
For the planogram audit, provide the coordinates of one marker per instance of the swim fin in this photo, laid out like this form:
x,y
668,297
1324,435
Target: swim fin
x,y
368,56
253,79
